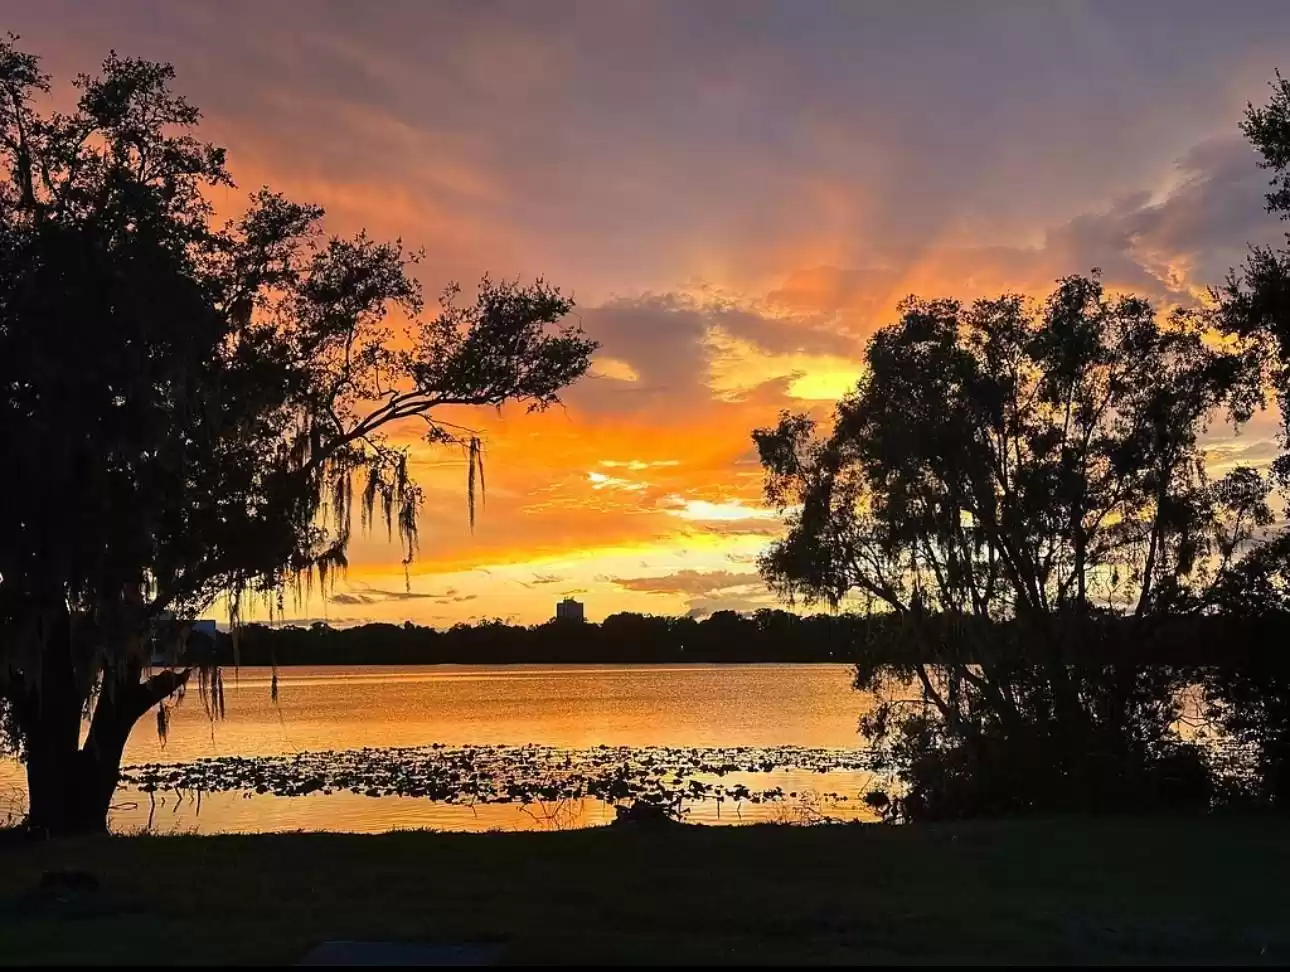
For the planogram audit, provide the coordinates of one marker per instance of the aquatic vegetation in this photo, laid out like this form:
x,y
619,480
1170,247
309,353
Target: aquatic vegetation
x,y
471,775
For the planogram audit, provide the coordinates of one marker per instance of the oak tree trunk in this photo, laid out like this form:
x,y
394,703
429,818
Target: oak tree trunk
x,y
69,785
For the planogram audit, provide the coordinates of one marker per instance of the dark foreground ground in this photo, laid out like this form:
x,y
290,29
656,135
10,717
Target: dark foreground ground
x,y
1197,891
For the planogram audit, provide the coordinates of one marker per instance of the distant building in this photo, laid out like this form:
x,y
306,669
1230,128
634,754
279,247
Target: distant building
x,y
570,610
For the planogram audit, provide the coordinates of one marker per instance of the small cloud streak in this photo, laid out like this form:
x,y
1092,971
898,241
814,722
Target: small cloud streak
x,y
369,595
691,583
601,481
636,465
729,510
614,369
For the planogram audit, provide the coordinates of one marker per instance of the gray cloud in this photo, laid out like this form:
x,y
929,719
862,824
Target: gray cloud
x,y
1167,246
664,339
701,607
541,580
739,528
608,144
616,148
460,598
371,595
345,597
336,622
690,582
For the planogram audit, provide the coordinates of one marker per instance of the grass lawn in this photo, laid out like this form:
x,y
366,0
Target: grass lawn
x,y
1194,891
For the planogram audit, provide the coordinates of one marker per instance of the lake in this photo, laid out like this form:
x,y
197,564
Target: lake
x,y
751,728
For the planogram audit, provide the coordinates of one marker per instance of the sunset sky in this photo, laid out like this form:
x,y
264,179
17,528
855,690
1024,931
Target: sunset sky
x,y
736,194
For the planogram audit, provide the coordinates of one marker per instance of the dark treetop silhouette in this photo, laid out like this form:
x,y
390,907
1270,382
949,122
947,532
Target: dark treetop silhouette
x,y
189,410
1254,307
766,635
1018,472
724,636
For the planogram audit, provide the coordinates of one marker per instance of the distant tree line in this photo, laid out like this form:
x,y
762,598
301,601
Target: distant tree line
x,y
768,635
725,636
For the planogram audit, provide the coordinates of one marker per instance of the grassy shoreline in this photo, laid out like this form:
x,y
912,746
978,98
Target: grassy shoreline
x,y
1132,890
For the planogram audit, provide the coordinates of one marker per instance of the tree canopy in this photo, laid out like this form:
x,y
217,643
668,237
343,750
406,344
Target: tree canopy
x,y
189,408
1018,472
1254,302
1011,460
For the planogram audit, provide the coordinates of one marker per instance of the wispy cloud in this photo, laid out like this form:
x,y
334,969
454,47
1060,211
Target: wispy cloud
x,y
690,582
636,465
697,509
371,595
601,481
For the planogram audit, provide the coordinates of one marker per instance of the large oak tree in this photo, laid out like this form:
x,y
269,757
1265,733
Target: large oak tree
x,y
190,410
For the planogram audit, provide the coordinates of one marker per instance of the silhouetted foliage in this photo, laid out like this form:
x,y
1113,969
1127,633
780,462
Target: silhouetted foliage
x,y
189,410
766,636
1254,301
1252,701
1020,488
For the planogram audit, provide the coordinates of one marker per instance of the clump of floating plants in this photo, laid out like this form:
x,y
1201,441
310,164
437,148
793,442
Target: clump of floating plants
x,y
505,774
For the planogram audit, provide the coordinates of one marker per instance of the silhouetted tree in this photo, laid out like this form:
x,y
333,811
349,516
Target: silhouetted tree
x,y
1252,700
189,410
1253,305
1005,477
1255,299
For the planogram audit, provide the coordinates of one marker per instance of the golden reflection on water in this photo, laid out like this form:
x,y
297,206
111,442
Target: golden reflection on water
x,y
568,706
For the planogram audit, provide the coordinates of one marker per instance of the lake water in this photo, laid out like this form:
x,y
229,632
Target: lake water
x,y
567,709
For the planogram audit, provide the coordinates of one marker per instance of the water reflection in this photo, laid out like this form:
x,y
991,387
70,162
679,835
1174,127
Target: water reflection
x,y
561,707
